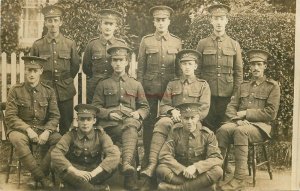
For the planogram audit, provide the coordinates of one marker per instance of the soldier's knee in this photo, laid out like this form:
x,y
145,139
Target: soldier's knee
x,y
163,125
163,173
18,138
215,173
241,130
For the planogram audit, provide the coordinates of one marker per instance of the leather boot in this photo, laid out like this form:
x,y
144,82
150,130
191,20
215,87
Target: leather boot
x,y
80,184
130,183
163,186
30,164
233,185
157,142
129,143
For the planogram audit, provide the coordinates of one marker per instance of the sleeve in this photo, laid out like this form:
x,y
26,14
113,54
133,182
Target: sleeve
x,y
111,153
233,106
87,62
58,154
53,114
237,68
204,101
34,51
199,48
166,102
141,102
12,119
75,60
167,155
269,112
142,62
213,155
99,101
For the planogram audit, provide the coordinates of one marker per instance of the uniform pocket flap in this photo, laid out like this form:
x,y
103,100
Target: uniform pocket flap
x,y
193,93
210,52
244,94
261,95
172,51
64,55
45,56
151,51
77,152
149,76
199,151
110,92
229,52
94,153
131,92
229,78
97,55
43,103
23,103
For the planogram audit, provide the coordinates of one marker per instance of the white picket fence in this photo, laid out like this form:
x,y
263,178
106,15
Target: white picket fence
x,y
16,71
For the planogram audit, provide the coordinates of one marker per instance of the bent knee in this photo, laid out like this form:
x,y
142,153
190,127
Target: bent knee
x,y
215,173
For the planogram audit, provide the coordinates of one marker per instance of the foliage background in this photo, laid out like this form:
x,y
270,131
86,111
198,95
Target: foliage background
x,y
254,23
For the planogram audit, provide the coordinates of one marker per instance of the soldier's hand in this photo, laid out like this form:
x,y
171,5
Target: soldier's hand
x,y
175,115
135,115
241,114
243,122
43,138
33,136
115,116
85,175
190,172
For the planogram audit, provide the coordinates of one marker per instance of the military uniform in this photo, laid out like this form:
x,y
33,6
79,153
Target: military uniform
x,y
122,95
222,67
156,67
260,99
85,151
184,148
179,90
62,66
35,108
96,60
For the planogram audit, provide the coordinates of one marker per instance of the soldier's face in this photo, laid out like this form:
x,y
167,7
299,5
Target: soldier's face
x,y
188,67
108,27
191,122
161,24
32,75
119,64
85,124
219,23
257,69
53,24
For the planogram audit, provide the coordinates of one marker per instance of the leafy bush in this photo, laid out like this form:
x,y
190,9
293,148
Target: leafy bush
x,y
273,32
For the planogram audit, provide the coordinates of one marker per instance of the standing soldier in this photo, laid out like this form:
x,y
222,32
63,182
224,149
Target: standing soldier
x,y
221,65
95,60
85,157
123,106
249,115
156,66
190,159
186,89
32,117
62,64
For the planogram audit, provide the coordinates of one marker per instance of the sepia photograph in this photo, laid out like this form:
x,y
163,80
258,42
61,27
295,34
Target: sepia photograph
x,y
163,95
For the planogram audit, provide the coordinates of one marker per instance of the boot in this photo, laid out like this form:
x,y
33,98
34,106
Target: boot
x,y
80,184
146,183
129,142
30,164
157,142
201,182
130,183
163,186
233,185
241,158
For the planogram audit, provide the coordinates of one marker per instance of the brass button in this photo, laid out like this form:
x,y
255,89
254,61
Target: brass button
x,y
219,75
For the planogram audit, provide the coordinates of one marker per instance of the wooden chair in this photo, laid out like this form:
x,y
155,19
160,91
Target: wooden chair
x,y
252,159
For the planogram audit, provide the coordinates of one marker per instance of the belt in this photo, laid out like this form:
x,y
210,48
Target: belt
x,y
55,76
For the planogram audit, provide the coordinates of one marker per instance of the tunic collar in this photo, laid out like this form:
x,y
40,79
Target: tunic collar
x,y
259,80
36,88
222,38
57,39
110,41
165,36
117,78
189,80
196,133
81,135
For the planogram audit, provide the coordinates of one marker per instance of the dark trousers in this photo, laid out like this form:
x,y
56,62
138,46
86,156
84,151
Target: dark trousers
x,y
66,115
216,112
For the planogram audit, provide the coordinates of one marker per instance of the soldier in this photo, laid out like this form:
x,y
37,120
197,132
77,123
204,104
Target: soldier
x,y
79,156
156,66
249,114
221,65
95,60
32,117
62,64
123,106
190,159
186,89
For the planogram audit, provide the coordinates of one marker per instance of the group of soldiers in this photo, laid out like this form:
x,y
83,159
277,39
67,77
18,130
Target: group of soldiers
x,y
191,104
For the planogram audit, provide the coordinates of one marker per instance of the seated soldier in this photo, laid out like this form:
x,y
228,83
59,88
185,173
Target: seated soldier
x,y
85,156
32,116
186,89
249,114
123,106
190,158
